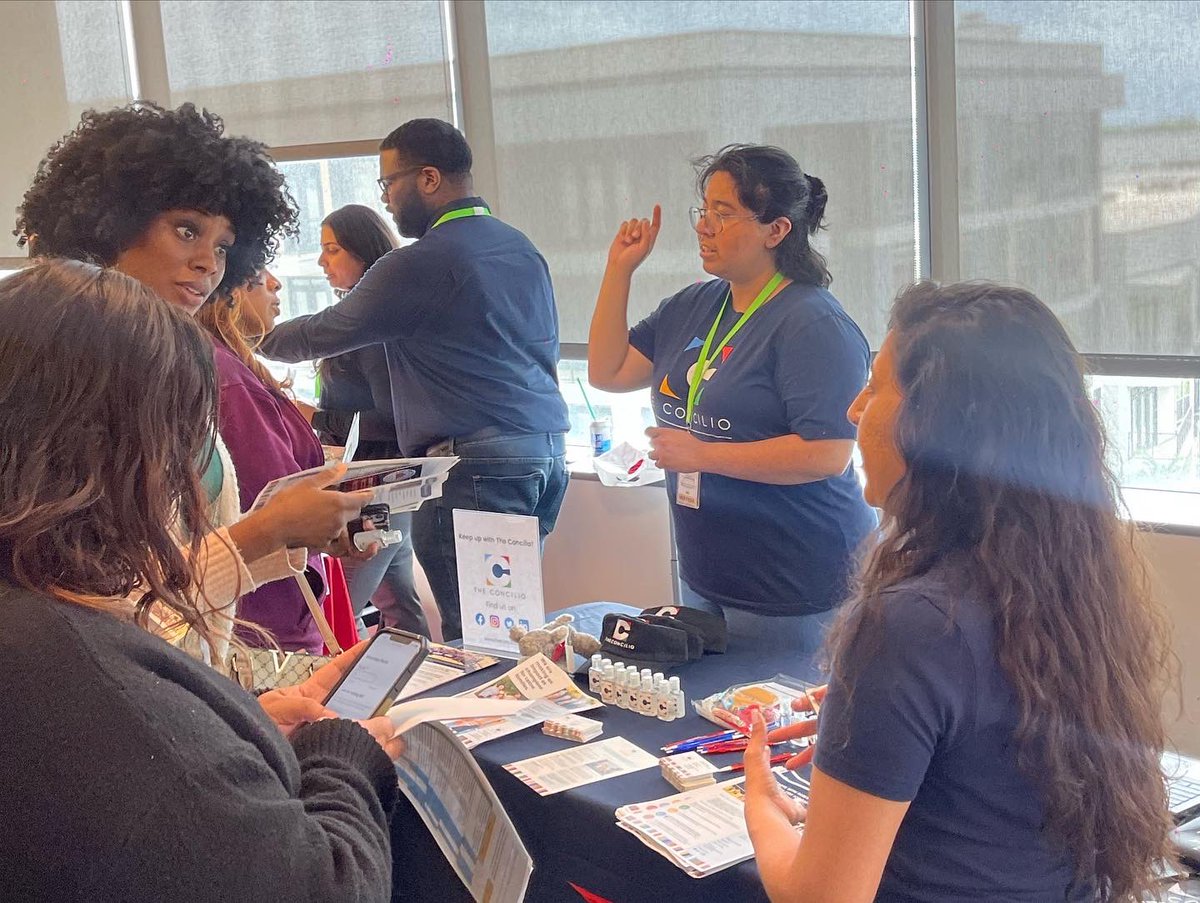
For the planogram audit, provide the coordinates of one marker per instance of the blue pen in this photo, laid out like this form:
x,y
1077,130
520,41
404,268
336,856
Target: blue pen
x,y
695,742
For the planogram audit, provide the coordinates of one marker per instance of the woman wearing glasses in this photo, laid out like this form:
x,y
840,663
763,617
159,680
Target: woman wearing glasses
x,y
752,373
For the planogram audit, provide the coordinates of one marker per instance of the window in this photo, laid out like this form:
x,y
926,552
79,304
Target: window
x,y
1185,412
42,99
1079,178
1143,405
629,412
319,187
300,73
652,85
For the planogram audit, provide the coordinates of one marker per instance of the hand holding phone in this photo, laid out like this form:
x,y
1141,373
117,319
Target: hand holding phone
x,y
373,682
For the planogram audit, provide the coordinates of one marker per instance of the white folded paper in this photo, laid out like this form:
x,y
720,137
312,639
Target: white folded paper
x,y
416,711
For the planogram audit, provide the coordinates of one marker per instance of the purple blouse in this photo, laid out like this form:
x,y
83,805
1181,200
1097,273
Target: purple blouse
x,y
267,438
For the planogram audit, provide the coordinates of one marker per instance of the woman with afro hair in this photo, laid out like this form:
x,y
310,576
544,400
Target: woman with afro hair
x,y
166,197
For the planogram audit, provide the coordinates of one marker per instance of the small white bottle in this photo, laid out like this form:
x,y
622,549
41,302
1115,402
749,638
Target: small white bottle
x,y
594,673
622,685
647,704
677,697
636,694
633,688
664,703
608,689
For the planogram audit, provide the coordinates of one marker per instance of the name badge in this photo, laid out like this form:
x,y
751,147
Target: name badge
x,y
687,489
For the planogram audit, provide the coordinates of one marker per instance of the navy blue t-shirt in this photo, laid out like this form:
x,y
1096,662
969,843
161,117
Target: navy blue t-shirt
x,y
931,721
793,368
466,316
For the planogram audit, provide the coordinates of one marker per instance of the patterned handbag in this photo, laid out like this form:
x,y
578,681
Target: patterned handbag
x,y
259,670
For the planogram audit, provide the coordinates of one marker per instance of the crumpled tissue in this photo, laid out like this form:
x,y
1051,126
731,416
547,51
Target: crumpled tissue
x,y
625,465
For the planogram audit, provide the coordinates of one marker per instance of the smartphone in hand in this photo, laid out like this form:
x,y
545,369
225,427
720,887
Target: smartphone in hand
x,y
376,678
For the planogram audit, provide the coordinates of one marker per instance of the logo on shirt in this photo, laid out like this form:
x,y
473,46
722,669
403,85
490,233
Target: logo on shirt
x,y
678,412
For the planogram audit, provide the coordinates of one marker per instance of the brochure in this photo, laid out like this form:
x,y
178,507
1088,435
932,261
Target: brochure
x,y
558,771
442,665
464,815
537,679
702,831
403,484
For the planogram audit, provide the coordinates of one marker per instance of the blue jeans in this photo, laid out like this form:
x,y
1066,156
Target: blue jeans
x,y
387,580
802,636
508,474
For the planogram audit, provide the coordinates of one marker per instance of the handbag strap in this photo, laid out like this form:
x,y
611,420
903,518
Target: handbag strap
x,y
318,615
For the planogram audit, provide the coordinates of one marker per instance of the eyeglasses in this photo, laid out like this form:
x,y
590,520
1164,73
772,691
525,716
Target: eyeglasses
x,y
714,222
386,182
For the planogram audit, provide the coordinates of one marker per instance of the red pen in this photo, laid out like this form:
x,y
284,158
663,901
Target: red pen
x,y
636,466
777,759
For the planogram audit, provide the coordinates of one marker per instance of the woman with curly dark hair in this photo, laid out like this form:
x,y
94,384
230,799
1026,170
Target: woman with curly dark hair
x,y
166,197
992,728
134,771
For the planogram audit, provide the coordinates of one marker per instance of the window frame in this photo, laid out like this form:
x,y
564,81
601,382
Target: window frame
x,y
464,27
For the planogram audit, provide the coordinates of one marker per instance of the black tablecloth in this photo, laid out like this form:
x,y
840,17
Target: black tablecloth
x,y
573,836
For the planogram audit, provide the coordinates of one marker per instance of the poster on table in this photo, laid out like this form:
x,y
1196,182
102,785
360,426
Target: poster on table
x,y
499,578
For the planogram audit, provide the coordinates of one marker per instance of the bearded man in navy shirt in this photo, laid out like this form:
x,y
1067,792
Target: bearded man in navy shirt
x,y
467,319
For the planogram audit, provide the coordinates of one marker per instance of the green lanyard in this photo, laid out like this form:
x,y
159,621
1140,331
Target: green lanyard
x,y
460,213
705,358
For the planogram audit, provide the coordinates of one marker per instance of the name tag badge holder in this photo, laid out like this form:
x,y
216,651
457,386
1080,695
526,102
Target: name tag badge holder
x,y
687,490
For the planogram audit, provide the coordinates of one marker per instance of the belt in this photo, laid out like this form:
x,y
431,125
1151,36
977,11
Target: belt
x,y
444,447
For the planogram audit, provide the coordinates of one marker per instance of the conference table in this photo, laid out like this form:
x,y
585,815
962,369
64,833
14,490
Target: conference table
x,y
572,836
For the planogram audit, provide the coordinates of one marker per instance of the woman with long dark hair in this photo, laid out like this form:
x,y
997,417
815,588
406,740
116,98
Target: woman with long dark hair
x,y
992,727
754,437
357,383
134,771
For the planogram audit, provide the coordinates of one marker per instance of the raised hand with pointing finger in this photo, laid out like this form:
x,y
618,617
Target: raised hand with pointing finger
x,y
634,241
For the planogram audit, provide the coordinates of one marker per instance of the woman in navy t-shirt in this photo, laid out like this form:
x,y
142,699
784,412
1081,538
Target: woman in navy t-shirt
x,y
767,510
992,726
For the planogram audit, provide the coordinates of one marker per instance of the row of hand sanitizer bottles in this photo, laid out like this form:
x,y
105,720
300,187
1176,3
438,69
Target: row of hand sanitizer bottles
x,y
647,694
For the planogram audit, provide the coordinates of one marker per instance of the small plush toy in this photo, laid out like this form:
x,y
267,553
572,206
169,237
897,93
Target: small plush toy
x,y
554,639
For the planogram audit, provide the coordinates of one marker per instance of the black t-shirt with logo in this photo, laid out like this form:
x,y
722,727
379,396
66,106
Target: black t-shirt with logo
x,y
793,368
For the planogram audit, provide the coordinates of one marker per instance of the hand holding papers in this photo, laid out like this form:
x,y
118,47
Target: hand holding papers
x,y
403,484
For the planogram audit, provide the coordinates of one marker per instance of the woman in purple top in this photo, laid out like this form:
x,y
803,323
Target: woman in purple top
x,y
267,438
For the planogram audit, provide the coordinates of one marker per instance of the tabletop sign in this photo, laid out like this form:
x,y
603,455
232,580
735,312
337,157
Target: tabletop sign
x,y
499,578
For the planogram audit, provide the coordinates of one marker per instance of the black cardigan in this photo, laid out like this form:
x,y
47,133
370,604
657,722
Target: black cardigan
x,y
129,771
